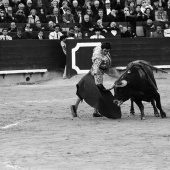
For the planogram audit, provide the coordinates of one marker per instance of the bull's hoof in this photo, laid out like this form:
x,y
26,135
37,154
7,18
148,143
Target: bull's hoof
x,y
157,115
132,113
143,117
163,115
97,115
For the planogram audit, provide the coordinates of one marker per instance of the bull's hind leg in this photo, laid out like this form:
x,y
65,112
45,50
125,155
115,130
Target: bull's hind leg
x,y
141,107
156,113
158,104
132,111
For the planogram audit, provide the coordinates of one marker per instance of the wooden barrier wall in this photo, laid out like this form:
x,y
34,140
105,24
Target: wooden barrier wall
x,y
31,54
154,50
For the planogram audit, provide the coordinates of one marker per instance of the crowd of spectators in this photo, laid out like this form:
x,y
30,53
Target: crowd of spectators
x,y
86,15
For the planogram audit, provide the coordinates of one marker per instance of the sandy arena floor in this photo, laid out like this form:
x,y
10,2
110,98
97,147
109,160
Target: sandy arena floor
x,y
37,131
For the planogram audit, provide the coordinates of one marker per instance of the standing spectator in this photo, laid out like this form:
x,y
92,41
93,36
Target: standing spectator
x,y
87,25
160,14
13,27
97,34
56,34
63,45
55,17
77,32
33,18
167,30
19,35
68,16
20,17
158,33
5,35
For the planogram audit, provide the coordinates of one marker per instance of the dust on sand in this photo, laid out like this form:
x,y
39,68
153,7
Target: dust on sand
x,y
37,131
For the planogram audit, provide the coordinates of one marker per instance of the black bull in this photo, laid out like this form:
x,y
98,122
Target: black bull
x,y
138,84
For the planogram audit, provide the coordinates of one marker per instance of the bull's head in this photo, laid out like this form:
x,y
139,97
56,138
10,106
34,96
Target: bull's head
x,y
121,92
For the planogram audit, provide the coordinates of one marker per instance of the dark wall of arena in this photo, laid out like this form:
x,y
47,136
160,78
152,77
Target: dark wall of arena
x,y
31,54
154,50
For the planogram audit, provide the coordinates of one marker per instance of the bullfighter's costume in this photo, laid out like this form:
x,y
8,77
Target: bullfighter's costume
x,y
90,88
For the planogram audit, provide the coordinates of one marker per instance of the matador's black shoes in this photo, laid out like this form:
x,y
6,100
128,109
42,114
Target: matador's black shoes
x,y
73,110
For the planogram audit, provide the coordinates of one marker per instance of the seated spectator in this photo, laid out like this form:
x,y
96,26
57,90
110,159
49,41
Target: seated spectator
x,y
63,9
21,6
97,34
54,4
5,5
155,4
68,16
13,27
160,14
14,4
112,17
41,8
87,5
32,18
95,7
100,16
148,28
167,9
20,17
77,32
74,7
55,17
70,35
4,18
40,35
107,8
158,33
139,16
56,34
132,7
148,15
28,7
78,17
38,26
145,5
87,25
129,33
10,13
19,35
50,26
42,16
71,30
5,35
119,5
113,28
167,30
90,14
28,31
100,25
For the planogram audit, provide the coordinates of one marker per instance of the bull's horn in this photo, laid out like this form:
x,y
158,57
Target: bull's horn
x,y
123,83
111,87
